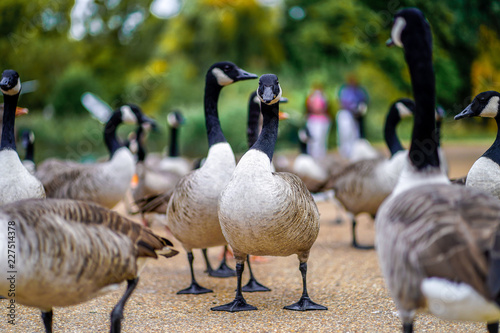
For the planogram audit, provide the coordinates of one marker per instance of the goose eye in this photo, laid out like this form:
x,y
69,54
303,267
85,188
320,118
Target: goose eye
x,y
226,68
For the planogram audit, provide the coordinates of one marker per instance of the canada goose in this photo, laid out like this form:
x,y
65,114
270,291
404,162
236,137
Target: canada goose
x,y
28,142
104,183
70,251
16,183
485,172
192,209
437,243
267,213
362,186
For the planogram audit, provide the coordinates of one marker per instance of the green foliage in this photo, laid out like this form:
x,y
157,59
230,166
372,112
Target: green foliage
x,y
69,88
160,64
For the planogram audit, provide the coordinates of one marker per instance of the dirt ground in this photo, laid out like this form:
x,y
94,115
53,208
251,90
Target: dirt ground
x,y
346,280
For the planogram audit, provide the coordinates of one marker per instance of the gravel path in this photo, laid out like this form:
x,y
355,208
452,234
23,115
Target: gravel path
x,y
346,280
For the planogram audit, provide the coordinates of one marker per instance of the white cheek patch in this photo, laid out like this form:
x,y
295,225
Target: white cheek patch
x,y
13,91
256,99
128,115
491,109
222,78
397,29
403,110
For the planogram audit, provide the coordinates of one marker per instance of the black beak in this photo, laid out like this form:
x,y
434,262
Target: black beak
x,y
466,113
389,42
244,75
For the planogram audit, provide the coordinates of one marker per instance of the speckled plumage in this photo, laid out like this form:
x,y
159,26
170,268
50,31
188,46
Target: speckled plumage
x,y
104,183
266,213
445,231
484,174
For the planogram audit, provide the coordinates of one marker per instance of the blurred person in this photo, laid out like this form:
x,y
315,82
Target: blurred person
x,y
353,106
318,122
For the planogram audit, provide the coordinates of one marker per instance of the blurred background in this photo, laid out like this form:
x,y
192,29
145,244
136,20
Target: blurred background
x,y
155,53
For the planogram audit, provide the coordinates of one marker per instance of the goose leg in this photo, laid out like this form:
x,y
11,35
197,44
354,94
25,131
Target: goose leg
x,y
493,327
117,313
354,242
253,285
194,288
304,302
223,271
407,327
239,303
47,321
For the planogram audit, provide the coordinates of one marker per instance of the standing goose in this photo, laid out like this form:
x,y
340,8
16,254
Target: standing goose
x,y
267,213
437,243
70,251
103,183
362,186
16,183
485,172
192,209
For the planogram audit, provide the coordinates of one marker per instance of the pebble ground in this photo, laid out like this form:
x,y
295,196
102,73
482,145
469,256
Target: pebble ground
x,y
347,281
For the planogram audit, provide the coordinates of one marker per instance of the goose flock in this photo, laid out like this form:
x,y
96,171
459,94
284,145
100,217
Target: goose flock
x,y
434,238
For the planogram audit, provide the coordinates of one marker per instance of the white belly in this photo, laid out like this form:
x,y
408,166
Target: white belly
x,y
457,301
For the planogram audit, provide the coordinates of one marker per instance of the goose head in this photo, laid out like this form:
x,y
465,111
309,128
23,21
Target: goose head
x,y
175,119
485,104
407,22
269,91
10,83
225,73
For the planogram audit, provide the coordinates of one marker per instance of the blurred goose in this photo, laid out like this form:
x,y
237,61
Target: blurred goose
x,y
192,209
103,183
437,243
362,186
173,162
485,172
267,213
28,143
70,251
16,183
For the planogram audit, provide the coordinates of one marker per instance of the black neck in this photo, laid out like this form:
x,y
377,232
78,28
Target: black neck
x,y
390,135
173,149
110,138
253,121
493,152
8,140
212,123
269,134
424,142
